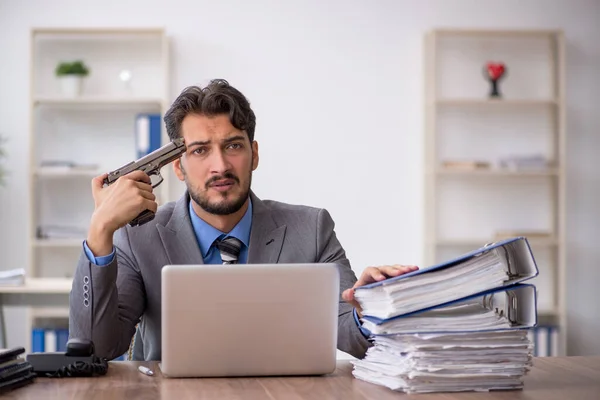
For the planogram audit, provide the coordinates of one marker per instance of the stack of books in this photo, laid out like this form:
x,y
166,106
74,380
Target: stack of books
x,y
457,326
15,371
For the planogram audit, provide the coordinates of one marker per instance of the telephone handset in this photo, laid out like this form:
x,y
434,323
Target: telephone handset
x,y
79,360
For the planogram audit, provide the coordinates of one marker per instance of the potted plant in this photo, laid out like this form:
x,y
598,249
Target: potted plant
x,y
71,75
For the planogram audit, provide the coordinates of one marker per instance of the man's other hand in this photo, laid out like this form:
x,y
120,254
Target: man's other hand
x,y
375,274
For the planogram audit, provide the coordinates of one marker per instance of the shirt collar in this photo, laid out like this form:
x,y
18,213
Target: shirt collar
x,y
206,234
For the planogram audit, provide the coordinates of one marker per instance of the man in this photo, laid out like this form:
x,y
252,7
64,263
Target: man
x,y
117,280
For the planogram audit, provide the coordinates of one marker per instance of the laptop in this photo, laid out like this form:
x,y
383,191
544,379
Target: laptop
x,y
249,320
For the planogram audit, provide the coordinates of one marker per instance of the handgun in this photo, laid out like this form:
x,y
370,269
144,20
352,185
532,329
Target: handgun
x,y
151,165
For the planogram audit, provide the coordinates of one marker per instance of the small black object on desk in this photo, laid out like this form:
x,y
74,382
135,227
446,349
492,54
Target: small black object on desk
x,y
15,372
78,361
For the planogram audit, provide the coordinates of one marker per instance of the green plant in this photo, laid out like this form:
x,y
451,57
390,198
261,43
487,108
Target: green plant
x,y
72,68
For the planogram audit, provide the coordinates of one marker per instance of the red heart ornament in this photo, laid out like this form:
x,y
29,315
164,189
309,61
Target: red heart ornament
x,y
495,70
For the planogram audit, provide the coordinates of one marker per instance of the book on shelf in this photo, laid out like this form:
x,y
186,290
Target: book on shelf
x,y
12,277
545,340
60,232
505,234
147,133
466,165
524,162
66,166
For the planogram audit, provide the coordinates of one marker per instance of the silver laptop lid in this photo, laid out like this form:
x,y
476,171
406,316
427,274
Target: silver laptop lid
x,y
249,320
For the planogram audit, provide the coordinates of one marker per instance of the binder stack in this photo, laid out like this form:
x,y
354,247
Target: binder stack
x,y
457,326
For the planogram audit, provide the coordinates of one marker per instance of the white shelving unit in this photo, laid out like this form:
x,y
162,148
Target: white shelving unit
x,y
468,207
95,130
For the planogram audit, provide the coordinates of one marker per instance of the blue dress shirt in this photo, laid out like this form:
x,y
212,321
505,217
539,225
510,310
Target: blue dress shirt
x,y
206,235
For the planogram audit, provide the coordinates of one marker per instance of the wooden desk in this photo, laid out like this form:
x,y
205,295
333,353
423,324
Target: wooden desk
x,y
571,378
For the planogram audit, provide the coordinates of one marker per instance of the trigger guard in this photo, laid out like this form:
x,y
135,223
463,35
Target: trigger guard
x,y
160,181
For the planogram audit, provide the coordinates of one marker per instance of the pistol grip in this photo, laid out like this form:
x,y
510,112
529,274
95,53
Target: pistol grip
x,y
142,218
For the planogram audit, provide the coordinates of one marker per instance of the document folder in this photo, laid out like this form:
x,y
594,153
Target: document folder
x,y
514,307
495,265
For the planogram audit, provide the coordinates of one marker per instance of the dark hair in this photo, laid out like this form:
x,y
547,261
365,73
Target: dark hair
x,y
218,97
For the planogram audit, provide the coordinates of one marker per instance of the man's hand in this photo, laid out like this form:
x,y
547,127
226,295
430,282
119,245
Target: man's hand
x,y
116,205
375,274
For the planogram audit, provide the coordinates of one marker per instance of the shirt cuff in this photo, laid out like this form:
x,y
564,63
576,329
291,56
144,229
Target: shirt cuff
x,y
366,333
100,261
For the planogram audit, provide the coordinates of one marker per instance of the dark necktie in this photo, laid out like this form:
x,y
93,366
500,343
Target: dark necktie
x,y
230,249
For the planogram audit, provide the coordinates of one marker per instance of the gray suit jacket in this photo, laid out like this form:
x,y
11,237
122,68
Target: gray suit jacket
x,y
107,302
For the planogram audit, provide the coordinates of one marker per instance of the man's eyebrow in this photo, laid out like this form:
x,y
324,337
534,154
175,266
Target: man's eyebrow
x,y
233,138
224,141
198,143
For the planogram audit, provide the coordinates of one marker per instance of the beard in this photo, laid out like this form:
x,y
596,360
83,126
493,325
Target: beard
x,y
227,205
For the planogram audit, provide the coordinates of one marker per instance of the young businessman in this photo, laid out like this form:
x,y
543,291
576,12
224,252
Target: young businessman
x,y
218,219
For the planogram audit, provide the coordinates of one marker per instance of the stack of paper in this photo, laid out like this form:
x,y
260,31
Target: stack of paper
x,y
450,362
12,277
456,326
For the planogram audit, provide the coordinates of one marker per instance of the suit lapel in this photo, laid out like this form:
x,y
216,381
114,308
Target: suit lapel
x,y
178,236
266,237
179,239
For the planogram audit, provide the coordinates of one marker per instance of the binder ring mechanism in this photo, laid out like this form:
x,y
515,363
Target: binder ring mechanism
x,y
509,265
510,307
484,246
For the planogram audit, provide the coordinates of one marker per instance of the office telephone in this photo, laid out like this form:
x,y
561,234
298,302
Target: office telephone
x,y
79,360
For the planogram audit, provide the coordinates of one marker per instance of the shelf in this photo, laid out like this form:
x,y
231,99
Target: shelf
x,y
51,173
65,243
515,33
97,101
465,128
41,286
477,243
495,172
70,32
50,312
547,317
496,102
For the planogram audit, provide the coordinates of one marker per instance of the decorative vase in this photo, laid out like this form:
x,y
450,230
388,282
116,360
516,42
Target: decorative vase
x,y
71,85
494,72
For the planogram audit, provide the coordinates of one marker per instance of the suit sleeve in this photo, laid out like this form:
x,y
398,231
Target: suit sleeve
x,y
106,302
350,338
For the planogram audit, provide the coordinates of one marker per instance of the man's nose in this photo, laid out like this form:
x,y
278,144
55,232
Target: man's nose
x,y
218,162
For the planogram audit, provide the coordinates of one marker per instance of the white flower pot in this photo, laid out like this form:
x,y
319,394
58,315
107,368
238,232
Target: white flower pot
x,y
71,85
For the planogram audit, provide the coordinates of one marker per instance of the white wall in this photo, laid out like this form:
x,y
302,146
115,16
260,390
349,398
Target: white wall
x,y
337,88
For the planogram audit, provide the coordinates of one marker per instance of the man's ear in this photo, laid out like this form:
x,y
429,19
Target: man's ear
x,y
178,169
254,155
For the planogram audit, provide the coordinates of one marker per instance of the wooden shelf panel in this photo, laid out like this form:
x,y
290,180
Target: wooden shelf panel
x,y
41,286
477,243
70,32
515,33
70,243
496,102
52,173
50,312
96,101
496,172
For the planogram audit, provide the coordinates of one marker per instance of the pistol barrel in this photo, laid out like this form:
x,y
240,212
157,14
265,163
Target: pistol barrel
x,y
150,163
